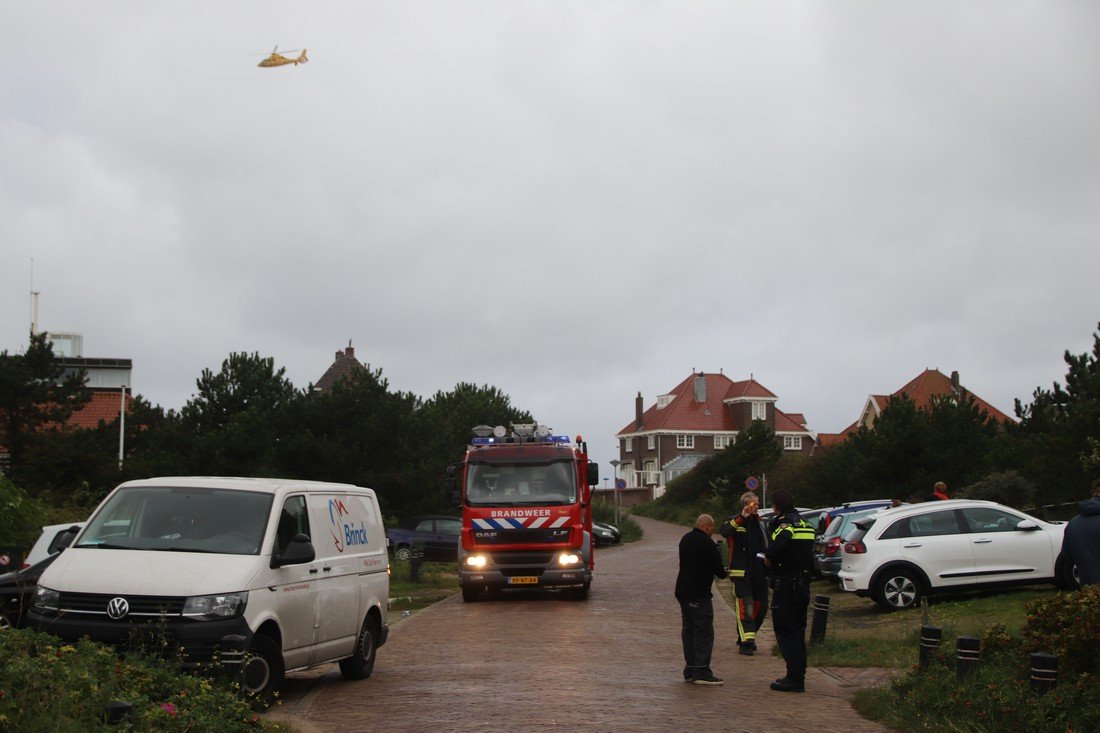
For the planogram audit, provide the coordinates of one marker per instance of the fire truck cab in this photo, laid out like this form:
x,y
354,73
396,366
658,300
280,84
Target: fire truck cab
x,y
526,498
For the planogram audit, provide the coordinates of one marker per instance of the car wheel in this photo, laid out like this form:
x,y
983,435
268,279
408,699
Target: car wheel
x,y
402,553
898,589
4,622
470,595
361,662
262,670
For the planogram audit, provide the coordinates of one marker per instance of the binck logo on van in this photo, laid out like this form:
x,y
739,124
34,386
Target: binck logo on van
x,y
344,532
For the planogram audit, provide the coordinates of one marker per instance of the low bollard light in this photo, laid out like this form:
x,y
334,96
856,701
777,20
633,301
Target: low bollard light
x,y
1044,672
968,651
820,619
115,710
930,639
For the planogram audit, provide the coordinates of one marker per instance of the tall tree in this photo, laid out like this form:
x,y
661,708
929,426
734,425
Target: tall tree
x,y
1055,443
37,396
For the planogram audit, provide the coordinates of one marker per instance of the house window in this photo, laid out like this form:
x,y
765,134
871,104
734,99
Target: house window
x,y
792,442
628,444
724,441
685,441
663,400
759,410
651,442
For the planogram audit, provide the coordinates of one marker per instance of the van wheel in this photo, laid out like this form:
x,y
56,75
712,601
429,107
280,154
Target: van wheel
x,y
402,553
898,589
4,623
262,670
470,595
361,662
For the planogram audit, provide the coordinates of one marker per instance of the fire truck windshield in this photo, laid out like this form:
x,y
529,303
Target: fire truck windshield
x,y
521,484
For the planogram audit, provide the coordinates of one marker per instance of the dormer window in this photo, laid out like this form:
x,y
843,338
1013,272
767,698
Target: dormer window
x,y
759,410
663,400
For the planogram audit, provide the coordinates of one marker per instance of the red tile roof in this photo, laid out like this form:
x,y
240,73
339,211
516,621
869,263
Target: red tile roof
x,y
684,413
920,389
344,365
102,407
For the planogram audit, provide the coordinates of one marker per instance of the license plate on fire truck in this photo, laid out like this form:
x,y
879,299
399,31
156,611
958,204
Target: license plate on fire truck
x,y
523,580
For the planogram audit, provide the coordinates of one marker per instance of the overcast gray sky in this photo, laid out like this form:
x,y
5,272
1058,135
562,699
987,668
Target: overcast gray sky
x,y
572,201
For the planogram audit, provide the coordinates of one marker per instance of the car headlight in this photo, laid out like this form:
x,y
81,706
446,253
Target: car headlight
x,y
569,558
211,608
476,561
604,533
46,599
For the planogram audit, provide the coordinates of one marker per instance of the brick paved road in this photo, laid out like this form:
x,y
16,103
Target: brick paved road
x,y
612,663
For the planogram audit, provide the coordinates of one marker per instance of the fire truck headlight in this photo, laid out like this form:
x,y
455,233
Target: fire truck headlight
x,y
569,558
475,561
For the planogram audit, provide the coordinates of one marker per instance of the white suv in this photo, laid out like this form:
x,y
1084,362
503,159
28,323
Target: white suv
x,y
897,556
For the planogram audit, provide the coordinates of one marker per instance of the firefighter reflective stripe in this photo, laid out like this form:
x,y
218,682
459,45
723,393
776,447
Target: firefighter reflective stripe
x,y
737,573
520,523
800,531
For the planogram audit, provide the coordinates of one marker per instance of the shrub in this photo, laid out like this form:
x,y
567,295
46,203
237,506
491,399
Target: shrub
x,y
49,685
1009,488
21,517
1067,625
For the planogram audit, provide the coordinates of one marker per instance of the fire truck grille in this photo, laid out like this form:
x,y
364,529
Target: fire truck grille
x,y
520,536
522,558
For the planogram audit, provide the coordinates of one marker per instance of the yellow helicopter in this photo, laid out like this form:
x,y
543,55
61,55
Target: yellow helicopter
x,y
278,59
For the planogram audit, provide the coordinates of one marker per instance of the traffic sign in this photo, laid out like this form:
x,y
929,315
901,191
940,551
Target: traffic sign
x,y
5,560
752,484
620,483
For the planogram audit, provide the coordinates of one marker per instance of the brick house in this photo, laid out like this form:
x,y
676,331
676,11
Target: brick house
x,y
696,419
921,389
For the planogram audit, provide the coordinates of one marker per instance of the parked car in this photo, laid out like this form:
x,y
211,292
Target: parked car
x,y
898,556
827,546
437,536
17,591
54,538
826,517
810,515
605,534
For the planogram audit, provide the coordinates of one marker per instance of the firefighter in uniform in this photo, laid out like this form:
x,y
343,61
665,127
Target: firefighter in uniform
x,y
747,537
789,557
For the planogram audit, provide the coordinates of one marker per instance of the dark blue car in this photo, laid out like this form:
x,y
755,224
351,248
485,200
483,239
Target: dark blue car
x,y
436,536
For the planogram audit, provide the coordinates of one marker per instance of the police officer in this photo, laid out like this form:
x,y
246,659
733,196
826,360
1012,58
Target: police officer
x,y
747,538
790,556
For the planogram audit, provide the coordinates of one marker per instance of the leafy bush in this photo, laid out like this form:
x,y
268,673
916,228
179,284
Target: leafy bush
x,y
49,685
1067,625
997,694
1008,487
21,517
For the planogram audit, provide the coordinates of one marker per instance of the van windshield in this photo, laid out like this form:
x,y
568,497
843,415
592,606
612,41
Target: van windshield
x,y
176,519
521,484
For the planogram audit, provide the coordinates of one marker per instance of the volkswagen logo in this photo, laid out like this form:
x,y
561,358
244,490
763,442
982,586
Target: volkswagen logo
x,y
117,608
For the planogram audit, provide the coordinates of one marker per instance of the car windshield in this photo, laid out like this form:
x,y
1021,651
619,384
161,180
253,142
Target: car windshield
x,y
521,484
180,519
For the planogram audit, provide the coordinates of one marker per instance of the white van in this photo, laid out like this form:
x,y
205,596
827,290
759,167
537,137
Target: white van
x,y
270,575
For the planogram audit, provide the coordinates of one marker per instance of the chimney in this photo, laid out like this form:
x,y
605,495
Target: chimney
x,y
700,387
638,411
954,380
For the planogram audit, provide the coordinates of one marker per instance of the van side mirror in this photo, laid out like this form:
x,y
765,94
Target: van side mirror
x,y
298,551
64,539
451,485
593,473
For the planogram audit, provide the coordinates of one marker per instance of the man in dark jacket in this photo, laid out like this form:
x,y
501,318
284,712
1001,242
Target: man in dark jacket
x,y
1081,541
700,563
747,538
789,557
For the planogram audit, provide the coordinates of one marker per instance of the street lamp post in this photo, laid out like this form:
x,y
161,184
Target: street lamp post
x,y
615,468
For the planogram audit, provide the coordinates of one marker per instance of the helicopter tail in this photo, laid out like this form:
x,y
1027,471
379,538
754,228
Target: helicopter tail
x,y
301,58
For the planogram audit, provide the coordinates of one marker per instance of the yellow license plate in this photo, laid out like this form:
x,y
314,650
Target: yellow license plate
x,y
523,580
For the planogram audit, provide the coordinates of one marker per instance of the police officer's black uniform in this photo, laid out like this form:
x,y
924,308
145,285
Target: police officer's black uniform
x,y
791,555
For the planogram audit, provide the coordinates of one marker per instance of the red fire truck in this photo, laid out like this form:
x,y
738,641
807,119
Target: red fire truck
x,y
526,511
